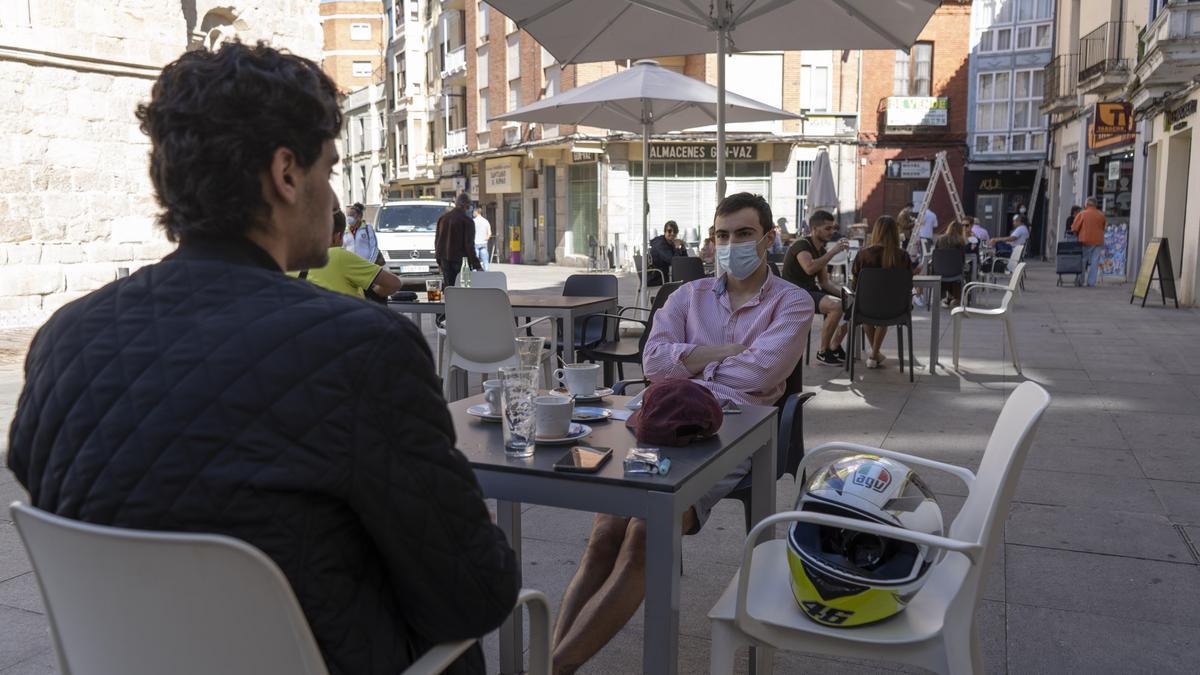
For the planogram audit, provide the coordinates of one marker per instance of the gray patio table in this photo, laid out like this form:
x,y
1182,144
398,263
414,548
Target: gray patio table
x,y
564,309
932,282
660,500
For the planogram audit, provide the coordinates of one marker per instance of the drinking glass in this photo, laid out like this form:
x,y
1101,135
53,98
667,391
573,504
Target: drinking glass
x,y
519,389
529,350
433,290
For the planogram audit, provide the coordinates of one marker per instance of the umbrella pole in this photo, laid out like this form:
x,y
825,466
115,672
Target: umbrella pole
x,y
720,101
645,205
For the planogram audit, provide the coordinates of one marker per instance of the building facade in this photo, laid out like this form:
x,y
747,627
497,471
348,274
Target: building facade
x,y
363,145
1093,150
413,158
1165,96
563,193
1011,45
915,105
354,34
76,205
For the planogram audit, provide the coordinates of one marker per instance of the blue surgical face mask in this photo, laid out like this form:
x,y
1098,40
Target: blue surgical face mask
x,y
739,260
351,220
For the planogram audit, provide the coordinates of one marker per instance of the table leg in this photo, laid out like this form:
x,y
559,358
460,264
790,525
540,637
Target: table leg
x,y
664,552
512,642
762,483
934,336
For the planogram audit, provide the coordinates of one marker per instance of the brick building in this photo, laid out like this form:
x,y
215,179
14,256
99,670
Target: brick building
x,y
915,105
552,189
354,40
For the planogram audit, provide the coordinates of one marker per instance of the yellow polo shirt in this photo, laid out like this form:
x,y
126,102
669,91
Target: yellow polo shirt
x,y
345,273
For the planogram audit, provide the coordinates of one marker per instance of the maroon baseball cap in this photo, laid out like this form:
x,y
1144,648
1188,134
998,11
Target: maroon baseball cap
x,y
675,413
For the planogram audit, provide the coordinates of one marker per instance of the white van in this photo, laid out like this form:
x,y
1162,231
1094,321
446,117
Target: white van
x,y
406,228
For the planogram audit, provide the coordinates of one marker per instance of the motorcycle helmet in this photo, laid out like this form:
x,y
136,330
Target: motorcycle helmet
x,y
845,578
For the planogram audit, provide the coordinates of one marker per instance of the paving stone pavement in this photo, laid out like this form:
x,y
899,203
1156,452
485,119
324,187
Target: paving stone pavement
x,y
1099,572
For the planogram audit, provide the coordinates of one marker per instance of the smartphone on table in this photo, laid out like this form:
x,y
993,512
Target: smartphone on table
x,y
583,459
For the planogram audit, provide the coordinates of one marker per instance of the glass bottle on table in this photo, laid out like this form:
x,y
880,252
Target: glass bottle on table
x,y
464,274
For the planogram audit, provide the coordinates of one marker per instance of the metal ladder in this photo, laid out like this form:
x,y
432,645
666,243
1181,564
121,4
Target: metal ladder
x,y
941,169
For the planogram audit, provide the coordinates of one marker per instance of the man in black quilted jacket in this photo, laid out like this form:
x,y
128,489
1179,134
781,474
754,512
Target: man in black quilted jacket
x,y
199,394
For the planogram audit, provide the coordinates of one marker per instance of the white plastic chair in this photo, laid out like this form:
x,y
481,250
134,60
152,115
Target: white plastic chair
x,y
138,602
1004,312
841,263
481,337
938,630
1018,252
479,279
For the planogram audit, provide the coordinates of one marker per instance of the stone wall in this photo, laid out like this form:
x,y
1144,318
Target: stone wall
x,y
76,203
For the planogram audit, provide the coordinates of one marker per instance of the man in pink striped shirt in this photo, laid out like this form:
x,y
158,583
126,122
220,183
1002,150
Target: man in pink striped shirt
x,y
740,335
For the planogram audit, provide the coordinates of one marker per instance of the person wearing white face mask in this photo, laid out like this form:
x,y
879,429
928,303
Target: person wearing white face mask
x,y
360,236
737,335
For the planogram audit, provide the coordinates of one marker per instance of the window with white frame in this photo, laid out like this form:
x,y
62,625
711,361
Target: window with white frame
x,y
512,57
514,95
398,80
992,98
510,26
913,74
402,143
481,21
1028,125
804,170
553,75
382,134
360,135
1007,25
814,88
482,111
481,67
361,69
360,31
398,15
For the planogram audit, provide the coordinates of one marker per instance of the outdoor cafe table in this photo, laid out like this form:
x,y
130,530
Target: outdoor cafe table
x,y
932,282
660,500
561,308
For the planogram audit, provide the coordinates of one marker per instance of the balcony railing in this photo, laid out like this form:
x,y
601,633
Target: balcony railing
x,y
455,62
1169,47
456,142
1061,77
1102,52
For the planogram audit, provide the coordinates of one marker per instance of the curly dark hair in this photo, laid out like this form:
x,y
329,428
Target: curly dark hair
x,y
744,200
215,120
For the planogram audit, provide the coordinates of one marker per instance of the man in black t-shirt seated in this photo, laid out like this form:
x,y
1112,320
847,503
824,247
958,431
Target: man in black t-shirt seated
x,y
806,265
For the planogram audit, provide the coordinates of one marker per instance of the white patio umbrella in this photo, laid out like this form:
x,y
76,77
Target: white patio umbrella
x,y
644,99
576,31
822,191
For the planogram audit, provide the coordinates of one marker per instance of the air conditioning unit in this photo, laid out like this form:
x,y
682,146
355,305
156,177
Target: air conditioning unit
x,y
512,134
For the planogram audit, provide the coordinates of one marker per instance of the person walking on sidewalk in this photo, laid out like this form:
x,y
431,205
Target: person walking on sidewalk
x,y
454,240
483,234
1089,227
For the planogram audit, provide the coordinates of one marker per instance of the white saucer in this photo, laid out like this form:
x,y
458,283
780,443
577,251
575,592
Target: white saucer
x,y
589,414
578,431
597,395
483,412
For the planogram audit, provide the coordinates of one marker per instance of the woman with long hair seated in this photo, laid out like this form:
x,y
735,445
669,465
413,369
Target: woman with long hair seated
x,y
955,237
883,251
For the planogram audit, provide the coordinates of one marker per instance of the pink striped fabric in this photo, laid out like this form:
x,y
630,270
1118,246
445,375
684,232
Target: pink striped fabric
x,y
772,325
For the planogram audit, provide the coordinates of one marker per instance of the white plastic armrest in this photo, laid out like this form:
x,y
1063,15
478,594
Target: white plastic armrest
x,y
533,322
958,472
984,284
969,549
439,658
539,629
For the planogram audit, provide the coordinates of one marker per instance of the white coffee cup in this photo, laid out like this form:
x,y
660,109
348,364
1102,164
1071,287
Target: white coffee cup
x,y
552,416
579,378
492,391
